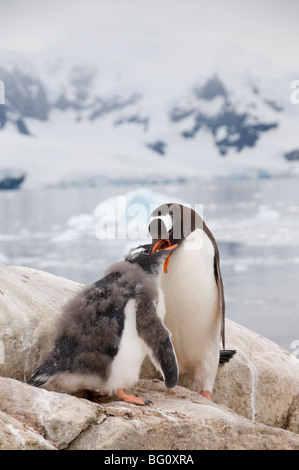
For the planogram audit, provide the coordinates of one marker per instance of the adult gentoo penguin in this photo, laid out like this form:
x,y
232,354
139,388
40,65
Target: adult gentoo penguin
x,y
193,291
107,330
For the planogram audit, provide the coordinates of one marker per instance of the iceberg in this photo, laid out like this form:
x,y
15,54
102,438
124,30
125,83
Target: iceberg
x,y
124,217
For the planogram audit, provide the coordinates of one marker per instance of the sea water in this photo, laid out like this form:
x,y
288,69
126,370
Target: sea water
x,y
255,222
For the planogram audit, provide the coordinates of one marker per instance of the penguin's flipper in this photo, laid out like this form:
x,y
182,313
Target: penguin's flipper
x,y
226,355
168,362
221,294
56,361
218,278
42,375
156,336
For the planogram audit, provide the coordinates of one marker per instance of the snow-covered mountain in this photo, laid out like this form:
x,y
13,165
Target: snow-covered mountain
x,y
68,123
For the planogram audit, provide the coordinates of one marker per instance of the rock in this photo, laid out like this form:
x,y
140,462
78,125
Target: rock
x,y
30,304
9,180
292,156
261,382
16,436
59,418
255,400
179,419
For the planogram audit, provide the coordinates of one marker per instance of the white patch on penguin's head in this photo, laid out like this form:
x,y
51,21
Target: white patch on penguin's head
x,y
135,252
150,261
175,223
166,220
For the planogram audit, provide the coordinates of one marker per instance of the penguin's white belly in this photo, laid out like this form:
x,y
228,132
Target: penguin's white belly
x,y
125,367
192,304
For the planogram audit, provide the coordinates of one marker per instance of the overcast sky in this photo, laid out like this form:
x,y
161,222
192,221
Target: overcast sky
x,y
267,27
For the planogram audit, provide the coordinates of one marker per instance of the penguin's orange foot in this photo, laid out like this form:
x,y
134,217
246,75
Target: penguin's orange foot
x,y
132,398
206,394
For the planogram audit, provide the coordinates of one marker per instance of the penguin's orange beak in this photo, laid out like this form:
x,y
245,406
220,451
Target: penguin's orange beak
x,y
164,245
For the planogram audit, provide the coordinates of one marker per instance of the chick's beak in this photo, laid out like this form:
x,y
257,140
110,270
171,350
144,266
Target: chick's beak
x,y
162,245
158,245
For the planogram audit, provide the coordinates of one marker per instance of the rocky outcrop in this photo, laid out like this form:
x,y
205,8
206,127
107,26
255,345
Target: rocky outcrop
x,y
30,303
292,156
11,180
255,401
55,419
179,419
261,382
25,96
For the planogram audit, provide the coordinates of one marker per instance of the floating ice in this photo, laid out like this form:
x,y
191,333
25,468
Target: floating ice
x,y
265,212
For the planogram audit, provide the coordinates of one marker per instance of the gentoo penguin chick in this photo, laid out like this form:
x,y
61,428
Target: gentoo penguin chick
x,y
193,292
107,330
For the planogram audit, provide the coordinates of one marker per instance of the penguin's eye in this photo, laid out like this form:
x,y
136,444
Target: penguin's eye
x,y
136,252
171,213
